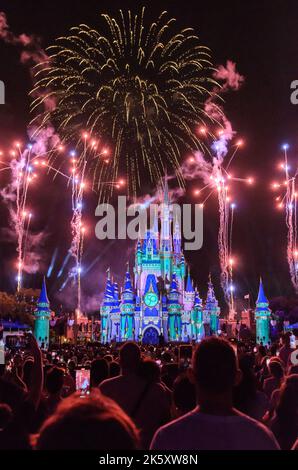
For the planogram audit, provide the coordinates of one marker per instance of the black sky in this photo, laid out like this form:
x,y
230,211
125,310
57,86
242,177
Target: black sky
x,y
262,38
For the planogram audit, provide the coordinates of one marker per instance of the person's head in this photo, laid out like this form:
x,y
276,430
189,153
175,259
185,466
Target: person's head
x,y
288,401
169,372
114,369
71,365
130,357
284,423
149,370
286,339
99,371
90,423
6,415
262,350
215,370
275,368
54,380
184,394
108,358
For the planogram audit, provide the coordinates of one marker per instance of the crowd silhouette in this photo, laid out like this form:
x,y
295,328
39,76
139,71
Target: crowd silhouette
x,y
217,395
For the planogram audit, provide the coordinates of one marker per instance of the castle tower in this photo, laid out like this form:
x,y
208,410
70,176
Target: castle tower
x,y
212,310
174,312
127,309
42,318
262,317
105,310
197,324
189,295
165,236
177,240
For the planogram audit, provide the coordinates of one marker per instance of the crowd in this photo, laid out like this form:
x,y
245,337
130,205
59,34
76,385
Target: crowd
x,y
223,395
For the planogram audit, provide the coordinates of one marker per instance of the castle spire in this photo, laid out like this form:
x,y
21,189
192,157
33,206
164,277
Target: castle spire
x,y
42,317
177,238
262,317
189,286
165,217
43,298
262,299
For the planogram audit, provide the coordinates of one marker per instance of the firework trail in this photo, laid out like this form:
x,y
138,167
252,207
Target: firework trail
x,y
87,148
15,195
217,180
288,201
212,168
77,229
139,87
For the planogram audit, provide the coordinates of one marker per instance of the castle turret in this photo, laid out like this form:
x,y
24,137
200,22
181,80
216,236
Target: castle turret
x,y
177,240
174,312
165,236
189,295
106,308
197,323
262,317
42,318
212,310
127,322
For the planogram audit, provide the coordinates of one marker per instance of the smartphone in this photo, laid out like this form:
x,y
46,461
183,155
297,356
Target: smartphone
x,y
83,381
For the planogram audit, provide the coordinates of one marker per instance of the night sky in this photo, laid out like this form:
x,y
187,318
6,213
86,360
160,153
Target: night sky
x,y
262,38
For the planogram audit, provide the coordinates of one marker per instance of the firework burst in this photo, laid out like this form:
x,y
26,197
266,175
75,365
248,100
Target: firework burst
x,y
287,201
139,88
217,179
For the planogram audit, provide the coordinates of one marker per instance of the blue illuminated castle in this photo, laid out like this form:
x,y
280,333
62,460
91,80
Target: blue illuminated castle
x,y
159,299
42,318
262,317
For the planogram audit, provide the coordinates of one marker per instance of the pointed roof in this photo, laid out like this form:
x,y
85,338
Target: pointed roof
x,y
262,299
109,290
43,297
189,286
211,301
174,286
198,300
127,282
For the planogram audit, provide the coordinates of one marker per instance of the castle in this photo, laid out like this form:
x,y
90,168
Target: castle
x,y
159,300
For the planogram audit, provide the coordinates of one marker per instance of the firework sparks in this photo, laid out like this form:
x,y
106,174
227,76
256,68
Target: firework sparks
x,y
287,200
15,194
142,89
217,180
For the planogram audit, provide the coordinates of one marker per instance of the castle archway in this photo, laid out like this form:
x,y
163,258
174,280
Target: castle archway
x,y
151,335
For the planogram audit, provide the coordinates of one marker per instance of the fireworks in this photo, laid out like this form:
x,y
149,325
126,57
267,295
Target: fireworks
x,y
287,200
20,164
217,180
140,88
23,164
